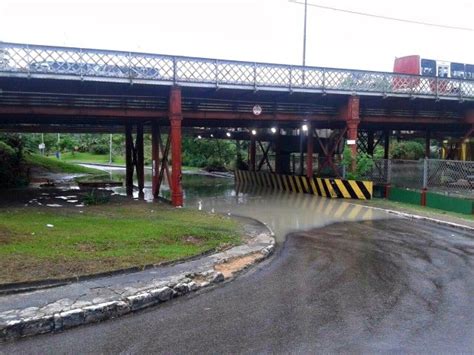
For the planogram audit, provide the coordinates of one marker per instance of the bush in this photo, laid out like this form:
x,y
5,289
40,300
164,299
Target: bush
x,y
12,173
364,164
215,164
409,150
99,149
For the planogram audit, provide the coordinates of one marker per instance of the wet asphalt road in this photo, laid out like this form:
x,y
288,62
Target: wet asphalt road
x,y
375,286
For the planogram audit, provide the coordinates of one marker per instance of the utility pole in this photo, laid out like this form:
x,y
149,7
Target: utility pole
x,y
304,31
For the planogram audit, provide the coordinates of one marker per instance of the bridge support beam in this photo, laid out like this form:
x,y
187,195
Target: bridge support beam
x,y
176,117
427,144
370,142
140,162
155,159
309,151
128,159
252,153
386,146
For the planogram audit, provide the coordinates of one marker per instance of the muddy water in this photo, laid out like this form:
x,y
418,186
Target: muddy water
x,y
283,212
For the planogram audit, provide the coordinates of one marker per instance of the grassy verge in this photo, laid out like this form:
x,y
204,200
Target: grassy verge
x,y
420,210
103,238
57,166
80,157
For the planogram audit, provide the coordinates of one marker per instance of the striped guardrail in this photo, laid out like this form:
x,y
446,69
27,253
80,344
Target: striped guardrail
x,y
325,187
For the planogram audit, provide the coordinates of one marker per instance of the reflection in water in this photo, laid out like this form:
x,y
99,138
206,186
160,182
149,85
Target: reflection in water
x,y
282,211
285,212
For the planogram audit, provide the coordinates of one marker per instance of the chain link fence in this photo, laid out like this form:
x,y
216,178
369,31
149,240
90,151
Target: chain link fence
x,y
453,177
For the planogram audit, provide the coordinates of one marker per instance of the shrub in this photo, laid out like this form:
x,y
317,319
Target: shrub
x,y
215,164
408,150
364,164
99,149
12,172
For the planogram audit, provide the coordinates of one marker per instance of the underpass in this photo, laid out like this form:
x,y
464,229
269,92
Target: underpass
x,y
354,280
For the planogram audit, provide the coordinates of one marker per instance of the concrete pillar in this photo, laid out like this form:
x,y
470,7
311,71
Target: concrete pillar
x,y
155,159
309,151
128,159
176,116
140,160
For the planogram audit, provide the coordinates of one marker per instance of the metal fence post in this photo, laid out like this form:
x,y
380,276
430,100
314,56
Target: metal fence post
x,y
343,171
425,173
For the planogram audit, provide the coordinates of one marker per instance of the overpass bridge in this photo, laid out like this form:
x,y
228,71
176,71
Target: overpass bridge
x,y
63,89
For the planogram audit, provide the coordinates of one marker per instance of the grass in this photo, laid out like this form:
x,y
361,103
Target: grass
x,y
57,166
80,157
426,211
104,238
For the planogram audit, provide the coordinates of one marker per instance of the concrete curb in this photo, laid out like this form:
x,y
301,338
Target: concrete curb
x,y
421,218
60,316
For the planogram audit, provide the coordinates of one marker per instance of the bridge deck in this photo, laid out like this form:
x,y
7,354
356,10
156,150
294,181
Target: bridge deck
x,y
45,62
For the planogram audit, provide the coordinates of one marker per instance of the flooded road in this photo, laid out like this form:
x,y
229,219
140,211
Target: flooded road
x,y
367,284
282,212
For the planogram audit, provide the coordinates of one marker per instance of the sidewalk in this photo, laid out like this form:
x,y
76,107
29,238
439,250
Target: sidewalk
x,y
59,308
424,212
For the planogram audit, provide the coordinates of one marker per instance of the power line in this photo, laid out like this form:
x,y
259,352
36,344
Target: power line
x,y
385,17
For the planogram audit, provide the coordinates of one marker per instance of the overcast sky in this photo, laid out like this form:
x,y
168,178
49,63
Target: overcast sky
x,y
252,30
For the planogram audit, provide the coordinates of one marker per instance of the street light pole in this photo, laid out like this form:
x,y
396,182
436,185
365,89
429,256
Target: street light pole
x,y
304,31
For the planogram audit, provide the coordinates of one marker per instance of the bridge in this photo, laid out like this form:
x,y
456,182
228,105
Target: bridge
x,y
63,89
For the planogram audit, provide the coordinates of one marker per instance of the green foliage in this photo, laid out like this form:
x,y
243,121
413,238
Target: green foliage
x,y
364,164
410,150
99,149
12,172
379,153
208,153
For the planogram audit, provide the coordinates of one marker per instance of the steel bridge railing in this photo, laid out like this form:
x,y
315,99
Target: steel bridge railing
x,y
35,61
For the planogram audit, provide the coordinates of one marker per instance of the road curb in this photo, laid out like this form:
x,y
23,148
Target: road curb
x,y
421,218
31,321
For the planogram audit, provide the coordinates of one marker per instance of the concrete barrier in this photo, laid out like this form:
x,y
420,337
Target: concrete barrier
x,y
325,187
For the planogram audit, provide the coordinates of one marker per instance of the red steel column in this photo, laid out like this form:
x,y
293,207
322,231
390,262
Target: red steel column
x,y
176,116
352,121
309,151
128,159
155,159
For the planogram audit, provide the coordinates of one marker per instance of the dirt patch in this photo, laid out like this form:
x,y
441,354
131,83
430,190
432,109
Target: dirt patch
x,y
6,235
191,240
237,264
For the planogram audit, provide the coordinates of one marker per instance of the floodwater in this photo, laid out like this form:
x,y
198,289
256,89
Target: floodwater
x,y
380,285
282,212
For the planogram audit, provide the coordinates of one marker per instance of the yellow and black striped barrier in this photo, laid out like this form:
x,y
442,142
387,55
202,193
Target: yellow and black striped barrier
x,y
325,187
